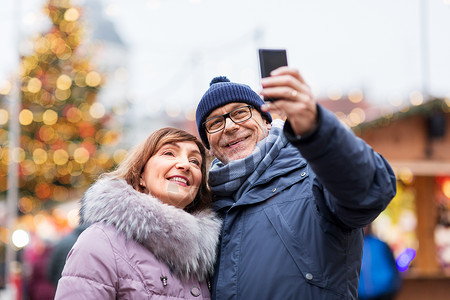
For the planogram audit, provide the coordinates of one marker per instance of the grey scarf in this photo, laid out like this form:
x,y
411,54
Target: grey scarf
x,y
237,176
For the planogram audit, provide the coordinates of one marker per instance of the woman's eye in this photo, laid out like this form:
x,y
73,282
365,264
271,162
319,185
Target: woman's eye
x,y
195,162
168,153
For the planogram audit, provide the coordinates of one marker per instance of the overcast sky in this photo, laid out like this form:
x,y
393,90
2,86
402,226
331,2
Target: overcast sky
x,y
177,46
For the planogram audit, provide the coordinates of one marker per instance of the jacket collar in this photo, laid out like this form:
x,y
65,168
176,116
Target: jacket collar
x,y
186,242
289,167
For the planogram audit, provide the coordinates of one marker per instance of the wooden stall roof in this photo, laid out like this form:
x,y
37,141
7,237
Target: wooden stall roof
x,y
417,137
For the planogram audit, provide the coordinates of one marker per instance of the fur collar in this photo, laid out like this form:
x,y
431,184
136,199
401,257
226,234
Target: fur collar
x,y
186,242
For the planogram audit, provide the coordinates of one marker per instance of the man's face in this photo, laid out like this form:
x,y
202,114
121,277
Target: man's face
x,y
236,141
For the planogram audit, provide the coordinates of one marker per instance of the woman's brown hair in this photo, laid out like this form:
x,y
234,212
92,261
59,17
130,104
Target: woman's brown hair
x,y
133,165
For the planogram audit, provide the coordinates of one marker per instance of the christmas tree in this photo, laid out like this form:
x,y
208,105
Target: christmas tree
x,y
64,131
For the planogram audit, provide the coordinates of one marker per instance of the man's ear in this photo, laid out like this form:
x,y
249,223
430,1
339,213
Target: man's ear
x,y
268,124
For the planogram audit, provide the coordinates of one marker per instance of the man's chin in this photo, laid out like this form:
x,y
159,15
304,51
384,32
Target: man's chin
x,y
232,154
236,156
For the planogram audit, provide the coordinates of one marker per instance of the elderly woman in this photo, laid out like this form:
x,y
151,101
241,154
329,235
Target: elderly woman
x,y
153,234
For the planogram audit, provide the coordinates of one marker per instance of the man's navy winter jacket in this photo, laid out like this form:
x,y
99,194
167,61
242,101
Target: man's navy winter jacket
x,y
296,233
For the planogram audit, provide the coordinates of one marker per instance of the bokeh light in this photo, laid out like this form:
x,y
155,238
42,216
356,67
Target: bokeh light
x,y
72,14
73,115
97,110
46,133
5,87
355,96
405,258
50,117
81,155
356,116
4,116
18,155
43,190
34,85
62,94
63,82
60,157
20,238
93,79
39,156
405,175
335,94
446,188
25,205
26,117
416,98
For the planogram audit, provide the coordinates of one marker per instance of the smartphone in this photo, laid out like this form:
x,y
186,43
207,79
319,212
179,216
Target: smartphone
x,y
269,60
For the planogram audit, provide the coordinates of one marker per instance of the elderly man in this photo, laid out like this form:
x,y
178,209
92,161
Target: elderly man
x,y
294,196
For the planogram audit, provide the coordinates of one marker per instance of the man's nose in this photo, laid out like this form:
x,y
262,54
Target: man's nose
x,y
229,123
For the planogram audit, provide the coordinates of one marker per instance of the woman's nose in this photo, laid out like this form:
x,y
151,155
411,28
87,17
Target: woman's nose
x,y
183,163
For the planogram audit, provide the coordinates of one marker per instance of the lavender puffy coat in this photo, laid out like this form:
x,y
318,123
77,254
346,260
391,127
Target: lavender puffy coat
x,y
139,248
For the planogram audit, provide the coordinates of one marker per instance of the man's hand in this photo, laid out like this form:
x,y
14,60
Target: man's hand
x,y
294,99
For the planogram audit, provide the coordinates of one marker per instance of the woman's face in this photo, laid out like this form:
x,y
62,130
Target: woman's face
x,y
173,174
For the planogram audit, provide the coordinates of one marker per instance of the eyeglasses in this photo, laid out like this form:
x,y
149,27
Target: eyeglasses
x,y
238,115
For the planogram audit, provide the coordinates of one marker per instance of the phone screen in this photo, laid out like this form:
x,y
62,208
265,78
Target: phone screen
x,y
270,59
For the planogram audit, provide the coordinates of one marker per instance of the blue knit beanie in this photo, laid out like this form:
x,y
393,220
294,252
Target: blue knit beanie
x,y
221,92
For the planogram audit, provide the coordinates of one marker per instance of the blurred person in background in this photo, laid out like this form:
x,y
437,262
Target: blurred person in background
x,y
294,196
60,251
379,278
36,256
153,234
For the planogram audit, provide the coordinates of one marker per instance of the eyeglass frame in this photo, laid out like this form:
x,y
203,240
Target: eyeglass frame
x,y
227,115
